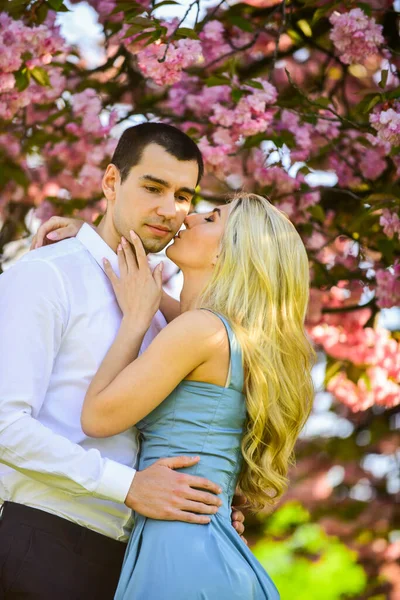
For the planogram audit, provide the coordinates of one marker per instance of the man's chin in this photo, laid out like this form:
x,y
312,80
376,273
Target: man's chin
x,y
153,246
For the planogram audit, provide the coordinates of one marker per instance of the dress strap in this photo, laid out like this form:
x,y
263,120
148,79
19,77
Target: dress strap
x,y
236,379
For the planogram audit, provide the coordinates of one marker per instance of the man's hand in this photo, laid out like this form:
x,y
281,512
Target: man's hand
x,y
238,522
158,492
237,516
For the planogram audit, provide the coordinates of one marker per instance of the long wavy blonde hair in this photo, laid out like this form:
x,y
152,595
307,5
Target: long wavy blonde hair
x,y
261,284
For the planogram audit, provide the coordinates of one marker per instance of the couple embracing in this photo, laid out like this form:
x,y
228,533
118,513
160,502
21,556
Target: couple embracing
x,y
127,415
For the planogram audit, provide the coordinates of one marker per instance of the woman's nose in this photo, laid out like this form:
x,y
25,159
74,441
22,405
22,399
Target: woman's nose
x,y
190,220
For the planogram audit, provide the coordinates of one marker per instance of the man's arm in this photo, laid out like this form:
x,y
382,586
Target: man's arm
x,y
34,311
33,316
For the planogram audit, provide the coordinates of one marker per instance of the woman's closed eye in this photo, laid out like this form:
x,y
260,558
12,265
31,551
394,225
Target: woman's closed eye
x,y
209,219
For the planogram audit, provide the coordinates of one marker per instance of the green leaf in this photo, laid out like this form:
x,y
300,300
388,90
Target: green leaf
x,y
165,3
386,246
186,32
12,172
127,5
324,102
237,94
321,12
393,94
141,36
395,150
41,76
217,80
133,29
284,137
240,22
368,102
22,79
317,212
255,140
255,84
332,368
365,7
384,76
55,4
41,13
142,21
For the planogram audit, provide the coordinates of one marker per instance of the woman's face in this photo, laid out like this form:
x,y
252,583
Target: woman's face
x,y
197,246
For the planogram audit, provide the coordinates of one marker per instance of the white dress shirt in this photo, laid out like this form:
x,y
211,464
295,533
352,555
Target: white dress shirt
x,y
58,318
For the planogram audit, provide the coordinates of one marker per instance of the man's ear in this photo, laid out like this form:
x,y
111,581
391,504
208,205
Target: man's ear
x,y
110,182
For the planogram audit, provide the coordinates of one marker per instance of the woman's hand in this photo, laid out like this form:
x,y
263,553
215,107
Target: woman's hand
x,y
54,230
137,289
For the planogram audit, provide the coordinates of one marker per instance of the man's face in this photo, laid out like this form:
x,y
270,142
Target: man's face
x,y
155,198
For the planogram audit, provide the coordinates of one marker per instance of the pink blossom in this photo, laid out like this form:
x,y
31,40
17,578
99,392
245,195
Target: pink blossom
x,y
301,132
272,176
328,127
387,124
214,156
179,56
372,164
388,286
213,41
90,179
202,102
7,82
33,47
390,223
251,115
355,35
45,210
374,388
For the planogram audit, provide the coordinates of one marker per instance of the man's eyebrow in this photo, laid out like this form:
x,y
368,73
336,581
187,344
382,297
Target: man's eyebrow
x,y
166,184
155,180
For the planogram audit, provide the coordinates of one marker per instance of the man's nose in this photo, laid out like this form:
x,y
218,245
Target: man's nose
x,y
167,207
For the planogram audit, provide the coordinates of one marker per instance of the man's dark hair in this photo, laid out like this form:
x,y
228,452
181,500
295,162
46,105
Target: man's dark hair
x,y
135,139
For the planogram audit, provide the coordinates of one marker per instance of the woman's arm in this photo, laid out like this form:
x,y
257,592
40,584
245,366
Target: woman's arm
x,y
56,229
115,403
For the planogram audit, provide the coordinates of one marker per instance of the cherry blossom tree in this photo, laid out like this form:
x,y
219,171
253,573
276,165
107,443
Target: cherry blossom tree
x,y
298,100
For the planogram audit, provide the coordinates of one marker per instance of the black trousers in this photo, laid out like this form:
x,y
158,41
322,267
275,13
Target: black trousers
x,y
45,557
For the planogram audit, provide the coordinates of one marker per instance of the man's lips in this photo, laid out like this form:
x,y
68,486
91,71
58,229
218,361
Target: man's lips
x,y
159,229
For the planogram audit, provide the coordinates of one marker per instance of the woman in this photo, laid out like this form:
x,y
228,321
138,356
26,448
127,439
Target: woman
x,y
228,379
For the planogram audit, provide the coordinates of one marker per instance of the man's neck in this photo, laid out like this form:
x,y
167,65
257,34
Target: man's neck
x,y
108,234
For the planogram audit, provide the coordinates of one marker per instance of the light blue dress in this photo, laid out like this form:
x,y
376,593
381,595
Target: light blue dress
x,y
172,560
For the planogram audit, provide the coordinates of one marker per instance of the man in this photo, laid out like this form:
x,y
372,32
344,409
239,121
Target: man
x,y
67,497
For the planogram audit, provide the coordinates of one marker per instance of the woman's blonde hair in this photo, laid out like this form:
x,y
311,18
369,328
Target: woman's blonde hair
x,y
261,284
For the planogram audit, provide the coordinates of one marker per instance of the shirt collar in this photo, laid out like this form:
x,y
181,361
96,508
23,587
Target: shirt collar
x,y
97,247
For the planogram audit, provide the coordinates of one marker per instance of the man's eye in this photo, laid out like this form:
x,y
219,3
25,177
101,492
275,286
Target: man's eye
x,y
183,198
152,189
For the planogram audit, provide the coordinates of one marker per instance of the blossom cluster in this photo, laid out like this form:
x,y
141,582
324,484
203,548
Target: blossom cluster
x,y
355,35
214,42
252,114
27,53
164,63
390,222
372,349
387,124
388,286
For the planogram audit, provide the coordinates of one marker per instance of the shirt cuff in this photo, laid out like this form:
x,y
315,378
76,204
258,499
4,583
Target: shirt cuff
x,y
115,481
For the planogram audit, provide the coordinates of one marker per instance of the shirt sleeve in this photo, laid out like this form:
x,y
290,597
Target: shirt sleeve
x,y
34,312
